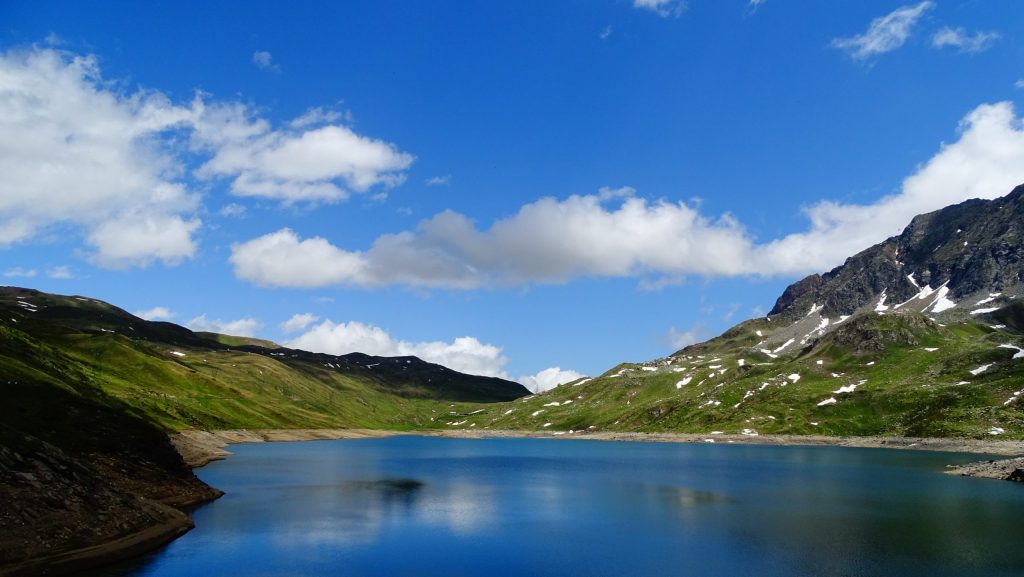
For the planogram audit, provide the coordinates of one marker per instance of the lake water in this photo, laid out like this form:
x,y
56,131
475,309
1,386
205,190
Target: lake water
x,y
421,506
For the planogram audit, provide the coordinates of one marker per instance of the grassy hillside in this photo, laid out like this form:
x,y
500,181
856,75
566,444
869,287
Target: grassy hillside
x,y
179,379
876,375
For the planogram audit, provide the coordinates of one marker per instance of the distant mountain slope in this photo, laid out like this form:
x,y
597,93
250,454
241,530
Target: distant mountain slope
x,y
920,335
183,379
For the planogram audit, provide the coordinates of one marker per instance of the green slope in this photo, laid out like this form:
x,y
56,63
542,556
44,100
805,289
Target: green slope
x,y
909,376
179,379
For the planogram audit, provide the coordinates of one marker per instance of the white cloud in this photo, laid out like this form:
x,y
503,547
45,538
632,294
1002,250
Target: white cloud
x,y
282,259
606,32
679,339
463,354
1019,83
245,327
614,234
155,314
139,239
439,180
987,161
320,115
663,8
62,272
885,34
960,39
265,61
316,164
548,241
548,379
298,322
19,272
75,149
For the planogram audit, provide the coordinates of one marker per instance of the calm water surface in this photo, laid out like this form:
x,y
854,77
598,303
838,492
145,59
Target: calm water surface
x,y
538,507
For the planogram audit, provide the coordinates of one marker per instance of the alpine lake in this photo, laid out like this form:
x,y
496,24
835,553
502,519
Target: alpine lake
x,y
425,506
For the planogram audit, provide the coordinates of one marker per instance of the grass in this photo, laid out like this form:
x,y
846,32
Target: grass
x,y
903,389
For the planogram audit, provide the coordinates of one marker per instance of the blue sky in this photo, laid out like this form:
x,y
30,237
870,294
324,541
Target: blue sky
x,y
501,187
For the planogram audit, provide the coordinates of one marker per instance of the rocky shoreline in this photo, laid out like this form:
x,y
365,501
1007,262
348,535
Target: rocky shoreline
x,y
1002,469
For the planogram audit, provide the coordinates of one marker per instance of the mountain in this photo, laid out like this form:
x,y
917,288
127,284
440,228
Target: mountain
x,y
90,393
920,335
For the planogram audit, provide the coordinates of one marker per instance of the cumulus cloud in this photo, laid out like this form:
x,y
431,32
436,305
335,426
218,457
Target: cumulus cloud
x,y
298,322
963,41
282,259
884,34
244,327
663,8
463,354
548,241
987,161
616,234
77,150
548,379
73,150
155,314
439,180
139,239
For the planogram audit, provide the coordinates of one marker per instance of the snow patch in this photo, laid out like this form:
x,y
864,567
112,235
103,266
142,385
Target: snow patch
x,y
828,401
177,354
931,349
684,382
880,307
996,431
991,297
984,310
794,377
980,369
846,389
1017,355
784,345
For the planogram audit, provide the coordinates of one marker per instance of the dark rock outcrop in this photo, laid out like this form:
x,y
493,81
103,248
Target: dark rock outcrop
x,y
977,245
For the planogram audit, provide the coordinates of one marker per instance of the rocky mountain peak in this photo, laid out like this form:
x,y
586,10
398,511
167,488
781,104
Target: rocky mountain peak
x,y
958,251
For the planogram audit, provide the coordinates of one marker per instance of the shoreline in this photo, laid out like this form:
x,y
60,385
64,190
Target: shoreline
x,y
199,448
107,553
